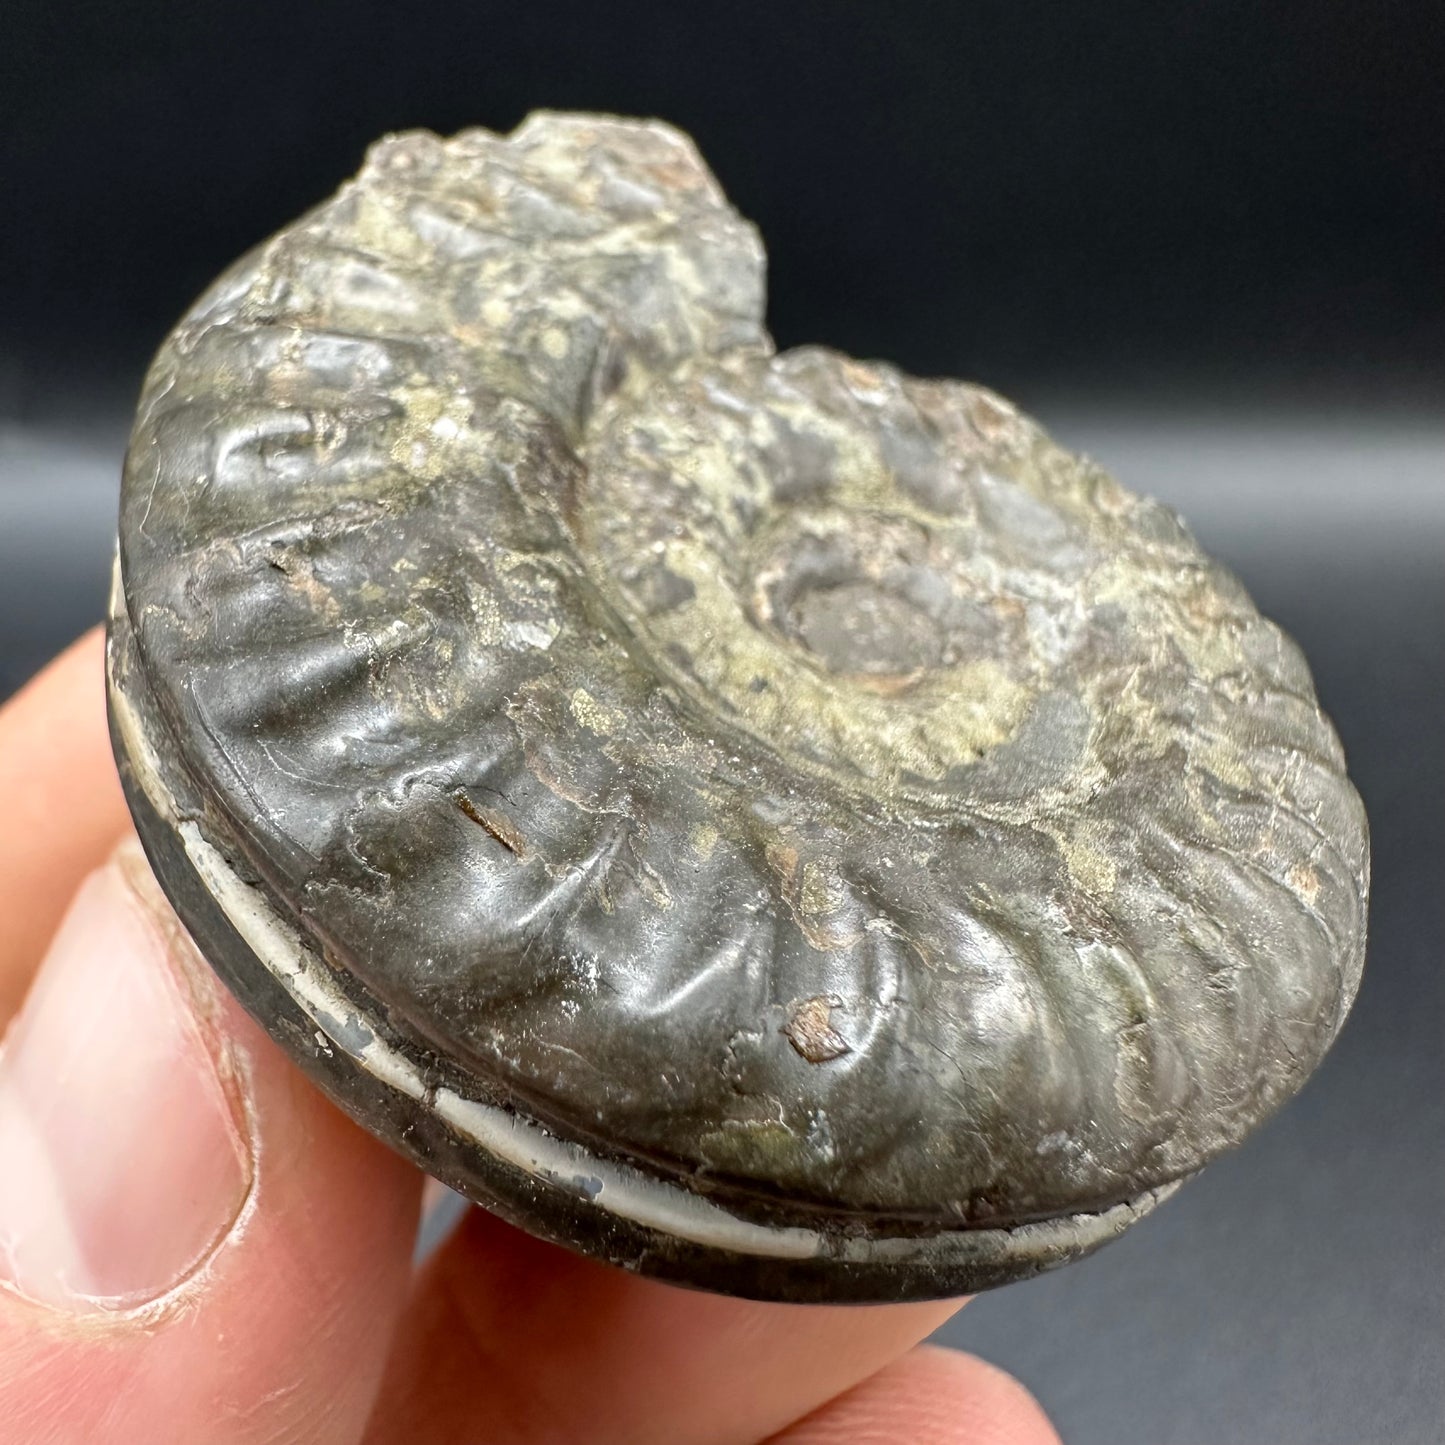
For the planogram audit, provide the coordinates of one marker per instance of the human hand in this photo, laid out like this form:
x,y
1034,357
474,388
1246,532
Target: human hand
x,y
195,1246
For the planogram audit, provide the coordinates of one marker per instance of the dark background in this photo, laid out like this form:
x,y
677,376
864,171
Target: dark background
x,y
1203,241
1250,192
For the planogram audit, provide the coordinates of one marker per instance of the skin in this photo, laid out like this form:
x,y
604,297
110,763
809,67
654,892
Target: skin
x,y
497,1337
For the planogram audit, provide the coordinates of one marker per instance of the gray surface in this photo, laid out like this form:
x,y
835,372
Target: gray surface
x,y
1294,1292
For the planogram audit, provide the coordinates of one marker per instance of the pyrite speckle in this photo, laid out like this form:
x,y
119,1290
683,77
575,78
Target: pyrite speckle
x,y
764,819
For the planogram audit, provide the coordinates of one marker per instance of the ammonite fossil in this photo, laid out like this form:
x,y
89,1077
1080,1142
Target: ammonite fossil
x,y
763,819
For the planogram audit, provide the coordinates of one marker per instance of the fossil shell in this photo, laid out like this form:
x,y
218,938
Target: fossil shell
x,y
766,820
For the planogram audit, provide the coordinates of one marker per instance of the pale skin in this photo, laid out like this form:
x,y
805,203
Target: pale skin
x,y
304,1320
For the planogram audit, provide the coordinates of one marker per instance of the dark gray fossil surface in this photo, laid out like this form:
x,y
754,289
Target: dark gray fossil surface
x,y
764,819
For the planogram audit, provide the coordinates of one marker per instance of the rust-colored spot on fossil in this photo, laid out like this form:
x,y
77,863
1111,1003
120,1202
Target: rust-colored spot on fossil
x,y
497,824
810,1030
1305,882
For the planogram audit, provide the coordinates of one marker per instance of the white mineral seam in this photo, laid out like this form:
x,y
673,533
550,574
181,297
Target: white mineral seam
x,y
527,1147
615,1188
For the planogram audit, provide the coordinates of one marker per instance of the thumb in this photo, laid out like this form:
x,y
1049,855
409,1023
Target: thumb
x,y
193,1243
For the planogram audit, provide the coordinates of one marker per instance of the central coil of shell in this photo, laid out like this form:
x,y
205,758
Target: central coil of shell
x,y
777,769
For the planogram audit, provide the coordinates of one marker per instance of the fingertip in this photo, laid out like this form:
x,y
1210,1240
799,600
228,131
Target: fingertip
x,y
993,1394
124,1148
930,1396
223,1255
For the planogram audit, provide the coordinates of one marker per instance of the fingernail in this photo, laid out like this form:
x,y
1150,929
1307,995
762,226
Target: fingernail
x,y
123,1155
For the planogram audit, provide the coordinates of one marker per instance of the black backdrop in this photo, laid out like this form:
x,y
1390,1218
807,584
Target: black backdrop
x,y
1204,240
1234,193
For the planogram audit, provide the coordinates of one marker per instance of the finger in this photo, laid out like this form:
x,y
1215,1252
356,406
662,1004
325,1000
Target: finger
x,y
62,800
194,1245
929,1397
537,1343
